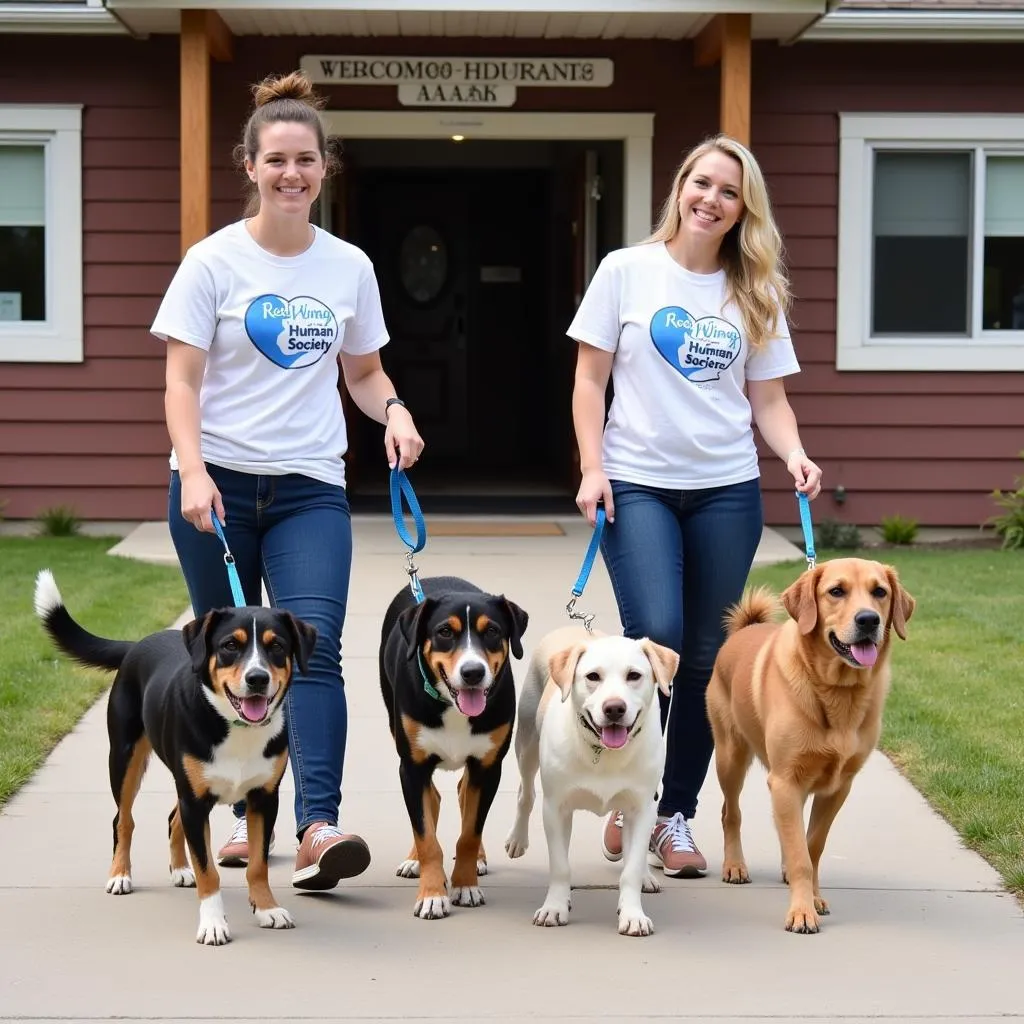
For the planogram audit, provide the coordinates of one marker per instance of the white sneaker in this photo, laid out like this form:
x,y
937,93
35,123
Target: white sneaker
x,y
235,852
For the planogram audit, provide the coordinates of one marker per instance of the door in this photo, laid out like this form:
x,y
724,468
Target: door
x,y
415,232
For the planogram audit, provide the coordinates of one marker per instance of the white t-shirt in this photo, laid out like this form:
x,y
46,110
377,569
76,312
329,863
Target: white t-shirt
x,y
273,328
679,417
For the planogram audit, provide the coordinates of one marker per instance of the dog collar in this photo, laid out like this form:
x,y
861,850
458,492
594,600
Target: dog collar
x,y
427,684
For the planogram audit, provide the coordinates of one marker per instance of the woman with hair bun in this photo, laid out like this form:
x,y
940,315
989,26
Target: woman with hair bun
x,y
690,326
257,320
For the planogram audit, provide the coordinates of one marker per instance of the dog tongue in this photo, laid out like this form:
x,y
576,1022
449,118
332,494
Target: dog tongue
x,y
864,653
613,735
254,708
471,702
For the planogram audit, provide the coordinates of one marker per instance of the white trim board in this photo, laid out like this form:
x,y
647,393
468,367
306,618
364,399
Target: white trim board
x,y
635,131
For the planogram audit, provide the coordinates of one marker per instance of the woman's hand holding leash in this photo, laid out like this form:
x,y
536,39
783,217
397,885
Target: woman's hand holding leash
x,y
198,495
805,473
402,441
595,489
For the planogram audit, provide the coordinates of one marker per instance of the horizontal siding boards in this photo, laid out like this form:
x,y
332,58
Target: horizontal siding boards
x,y
98,500
927,445
84,406
82,470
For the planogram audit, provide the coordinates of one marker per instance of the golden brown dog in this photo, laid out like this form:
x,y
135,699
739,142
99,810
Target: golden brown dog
x,y
804,696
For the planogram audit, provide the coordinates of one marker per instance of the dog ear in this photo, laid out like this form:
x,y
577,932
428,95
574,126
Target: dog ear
x,y
901,606
303,636
411,624
196,635
800,599
664,663
562,667
519,620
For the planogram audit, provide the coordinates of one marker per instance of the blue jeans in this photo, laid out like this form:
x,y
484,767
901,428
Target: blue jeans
x,y
677,560
294,533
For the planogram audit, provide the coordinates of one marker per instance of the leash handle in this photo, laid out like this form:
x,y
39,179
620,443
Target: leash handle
x,y
229,560
402,488
805,522
584,574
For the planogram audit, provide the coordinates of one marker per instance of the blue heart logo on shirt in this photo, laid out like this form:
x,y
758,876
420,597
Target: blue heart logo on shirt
x,y
291,333
699,349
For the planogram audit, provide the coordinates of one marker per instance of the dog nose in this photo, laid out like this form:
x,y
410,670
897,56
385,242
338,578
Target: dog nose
x,y
473,674
614,710
257,679
867,619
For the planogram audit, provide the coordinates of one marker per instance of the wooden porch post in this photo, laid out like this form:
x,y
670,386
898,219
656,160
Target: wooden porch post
x,y
203,35
725,40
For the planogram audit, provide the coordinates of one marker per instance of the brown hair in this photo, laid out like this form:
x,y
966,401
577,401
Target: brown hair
x,y
282,98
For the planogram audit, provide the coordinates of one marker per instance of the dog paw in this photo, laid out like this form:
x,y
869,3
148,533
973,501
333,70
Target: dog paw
x,y
516,844
183,878
275,917
119,885
735,872
213,925
650,884
635,922
408,869
481,867
821,907
802,920
430,908
552,915
468,896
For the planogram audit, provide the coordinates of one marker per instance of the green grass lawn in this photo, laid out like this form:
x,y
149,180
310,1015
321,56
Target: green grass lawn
x,y
954,722
42,693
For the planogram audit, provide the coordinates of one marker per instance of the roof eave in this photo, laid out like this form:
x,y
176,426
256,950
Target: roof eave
x,y
916,26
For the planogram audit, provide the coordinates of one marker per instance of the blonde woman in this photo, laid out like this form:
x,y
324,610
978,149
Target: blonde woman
x,y
690,326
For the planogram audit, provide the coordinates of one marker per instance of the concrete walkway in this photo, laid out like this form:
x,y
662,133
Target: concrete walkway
x,y
920,929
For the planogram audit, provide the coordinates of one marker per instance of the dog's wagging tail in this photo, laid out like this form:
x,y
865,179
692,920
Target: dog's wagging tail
x,y
79,644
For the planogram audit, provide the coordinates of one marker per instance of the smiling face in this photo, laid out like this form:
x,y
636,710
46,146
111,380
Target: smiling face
x,y
246,657
611,681
711,196
288,169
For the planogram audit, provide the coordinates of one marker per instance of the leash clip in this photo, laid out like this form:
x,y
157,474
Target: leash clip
x,y
414,578
581,581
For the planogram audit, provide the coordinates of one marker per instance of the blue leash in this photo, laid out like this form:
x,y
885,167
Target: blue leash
x,y
400,487
588,564
229,560
805,522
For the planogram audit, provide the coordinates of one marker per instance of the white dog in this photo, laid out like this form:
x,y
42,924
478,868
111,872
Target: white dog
x,y
598,747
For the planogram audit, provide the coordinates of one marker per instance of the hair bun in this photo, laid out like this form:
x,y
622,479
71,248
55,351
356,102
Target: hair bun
x,y
293,86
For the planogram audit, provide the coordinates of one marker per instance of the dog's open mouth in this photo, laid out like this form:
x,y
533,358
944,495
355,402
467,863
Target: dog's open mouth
x,y
250,709
862,654
470,700
611,736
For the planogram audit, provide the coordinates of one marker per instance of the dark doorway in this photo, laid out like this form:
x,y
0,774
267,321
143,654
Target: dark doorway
x,y
476,266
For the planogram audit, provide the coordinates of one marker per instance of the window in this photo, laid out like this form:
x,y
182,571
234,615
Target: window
x,y
931,243
40,234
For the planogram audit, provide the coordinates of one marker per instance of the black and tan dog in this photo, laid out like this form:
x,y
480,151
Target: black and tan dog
x,y
446,679
209,700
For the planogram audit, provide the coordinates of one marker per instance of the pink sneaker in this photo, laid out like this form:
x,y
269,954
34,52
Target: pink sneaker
x,y
326,855
235,852
673,850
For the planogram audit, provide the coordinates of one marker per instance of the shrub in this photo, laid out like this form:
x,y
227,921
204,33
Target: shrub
x,y
59,521
1010,525
832,534
897,530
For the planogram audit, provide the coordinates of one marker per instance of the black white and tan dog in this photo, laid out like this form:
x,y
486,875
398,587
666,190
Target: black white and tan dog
x,y
209,701
446,678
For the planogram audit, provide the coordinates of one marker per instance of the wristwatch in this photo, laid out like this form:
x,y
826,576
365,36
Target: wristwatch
x,y
390,402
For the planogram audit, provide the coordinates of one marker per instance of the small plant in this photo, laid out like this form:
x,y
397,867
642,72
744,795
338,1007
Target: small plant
x,y
1010,525
59,521
830,533
897,530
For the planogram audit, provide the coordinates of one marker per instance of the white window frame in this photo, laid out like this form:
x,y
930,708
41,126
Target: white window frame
x,y
58,129
860,136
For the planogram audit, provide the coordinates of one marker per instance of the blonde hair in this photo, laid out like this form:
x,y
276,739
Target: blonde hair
x,y
751,252
278,98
